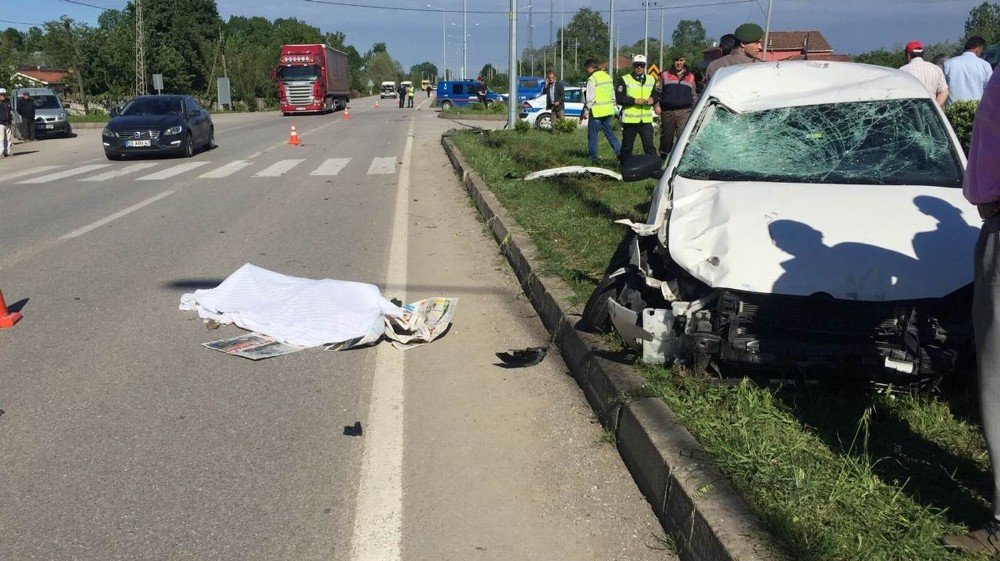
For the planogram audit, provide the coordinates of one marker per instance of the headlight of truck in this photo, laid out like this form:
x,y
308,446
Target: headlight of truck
x,y
173,130
109,133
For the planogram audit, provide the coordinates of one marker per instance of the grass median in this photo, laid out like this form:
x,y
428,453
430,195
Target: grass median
x,y
836,473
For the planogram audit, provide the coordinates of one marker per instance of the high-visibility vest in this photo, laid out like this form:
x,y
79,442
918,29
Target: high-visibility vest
x,y
604,94
634,114
409,91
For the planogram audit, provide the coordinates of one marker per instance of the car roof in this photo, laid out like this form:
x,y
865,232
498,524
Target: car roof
x,y
768,85
35,91
164,96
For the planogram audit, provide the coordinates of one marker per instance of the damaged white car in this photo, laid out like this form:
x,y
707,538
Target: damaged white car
x,y
811,217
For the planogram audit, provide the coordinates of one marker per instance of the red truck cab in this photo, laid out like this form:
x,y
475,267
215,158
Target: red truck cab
x,y
312,79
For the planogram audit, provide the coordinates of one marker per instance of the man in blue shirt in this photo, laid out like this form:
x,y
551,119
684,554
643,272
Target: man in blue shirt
x,y
968,73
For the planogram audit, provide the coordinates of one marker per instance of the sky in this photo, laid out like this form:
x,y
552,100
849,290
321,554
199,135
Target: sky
x,y
851,26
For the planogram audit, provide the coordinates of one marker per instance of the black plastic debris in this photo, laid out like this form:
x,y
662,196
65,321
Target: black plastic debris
x,y
522,357
353,430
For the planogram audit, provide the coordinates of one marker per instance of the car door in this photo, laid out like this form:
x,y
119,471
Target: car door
x,y
573,99
196,120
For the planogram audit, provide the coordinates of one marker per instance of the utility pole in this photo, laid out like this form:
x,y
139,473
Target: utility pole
x,y
140,51
531,37
611,40
562,39
552,38
576,53
767,28
444,48
662,65
512,68
645,33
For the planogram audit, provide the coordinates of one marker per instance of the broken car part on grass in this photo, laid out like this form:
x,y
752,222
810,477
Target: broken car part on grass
x,y
288,314
572,170
811,216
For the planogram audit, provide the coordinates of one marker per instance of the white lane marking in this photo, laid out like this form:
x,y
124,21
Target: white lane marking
x,y
226,170
22,173
278,169
378,519
120,172
172,171
63,174
382,166
419,107
331,166
115,216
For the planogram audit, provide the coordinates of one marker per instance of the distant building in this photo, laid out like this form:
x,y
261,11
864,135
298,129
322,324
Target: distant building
x,y
791,45
40,77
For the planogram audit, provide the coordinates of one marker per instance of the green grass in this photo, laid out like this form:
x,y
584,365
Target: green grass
x,y
92,118
835,473
499,109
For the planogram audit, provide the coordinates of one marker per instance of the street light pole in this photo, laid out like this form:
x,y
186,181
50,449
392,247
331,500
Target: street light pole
x,y
465,40
662,65
645,33
562,39
512,68
611,40
767,28
444,48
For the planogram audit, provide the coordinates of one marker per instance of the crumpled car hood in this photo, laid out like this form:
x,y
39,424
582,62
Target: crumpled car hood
x,y
852,242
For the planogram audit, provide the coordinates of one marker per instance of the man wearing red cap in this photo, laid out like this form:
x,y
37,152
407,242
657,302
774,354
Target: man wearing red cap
x,y
929,74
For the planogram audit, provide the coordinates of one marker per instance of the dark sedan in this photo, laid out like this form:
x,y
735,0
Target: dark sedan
x,y
159,124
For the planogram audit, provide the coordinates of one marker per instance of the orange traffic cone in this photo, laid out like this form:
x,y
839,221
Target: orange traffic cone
x,y
347,114
7,319
377,104
293,137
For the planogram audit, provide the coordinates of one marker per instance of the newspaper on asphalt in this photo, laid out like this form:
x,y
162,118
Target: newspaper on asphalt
x,y
253,346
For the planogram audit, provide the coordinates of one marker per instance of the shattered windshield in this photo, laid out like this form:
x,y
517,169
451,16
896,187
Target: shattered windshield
x,y
885,142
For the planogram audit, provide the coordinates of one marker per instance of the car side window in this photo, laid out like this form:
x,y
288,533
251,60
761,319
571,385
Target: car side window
x,y
573,96
456,89
189,106
470,89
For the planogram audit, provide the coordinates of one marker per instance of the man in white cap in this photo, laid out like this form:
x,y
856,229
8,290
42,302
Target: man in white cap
x,y
635,94
6,124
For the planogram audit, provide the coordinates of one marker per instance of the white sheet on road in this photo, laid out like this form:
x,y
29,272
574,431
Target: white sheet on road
x,y
293,310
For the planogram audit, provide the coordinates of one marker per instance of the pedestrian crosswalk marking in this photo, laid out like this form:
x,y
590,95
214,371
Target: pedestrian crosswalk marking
x,y
173,171
64,174
333,166
383,166
22,173
278,169
120,172
226,170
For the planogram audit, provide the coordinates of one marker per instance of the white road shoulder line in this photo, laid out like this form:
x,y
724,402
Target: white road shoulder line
x,y
383,166
278,169
23,172
333,166
378,518
115,216
63,174
120,172
226,170
172,171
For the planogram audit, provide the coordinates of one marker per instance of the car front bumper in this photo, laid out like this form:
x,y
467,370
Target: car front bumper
x,y
173,144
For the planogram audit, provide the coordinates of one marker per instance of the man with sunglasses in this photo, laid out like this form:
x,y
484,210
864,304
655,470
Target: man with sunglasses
x,y
749,44
635,94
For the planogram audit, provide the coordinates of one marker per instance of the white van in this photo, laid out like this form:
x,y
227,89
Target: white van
x,y
387,89
50,114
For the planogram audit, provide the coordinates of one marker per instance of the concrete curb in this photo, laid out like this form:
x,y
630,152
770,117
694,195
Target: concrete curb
x,y
471,117
694,502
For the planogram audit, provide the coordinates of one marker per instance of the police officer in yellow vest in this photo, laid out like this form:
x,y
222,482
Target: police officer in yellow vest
x,y
409,95
635,94
600,107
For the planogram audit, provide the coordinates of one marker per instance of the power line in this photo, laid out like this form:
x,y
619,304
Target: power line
x,y
79,3
19,22
498,12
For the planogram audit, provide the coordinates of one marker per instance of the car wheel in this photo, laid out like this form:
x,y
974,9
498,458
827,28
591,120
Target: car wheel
x,y
544,121
188,145
211,139
446,105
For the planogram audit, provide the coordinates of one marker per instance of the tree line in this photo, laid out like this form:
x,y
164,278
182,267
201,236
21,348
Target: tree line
x,y
189,44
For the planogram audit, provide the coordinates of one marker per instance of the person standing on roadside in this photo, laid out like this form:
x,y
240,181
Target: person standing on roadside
x,y
409,96
26,109
676,101
982,188
635,94
554,91
928,73
749,44
481,91
6,125
401,94
599,107
967,74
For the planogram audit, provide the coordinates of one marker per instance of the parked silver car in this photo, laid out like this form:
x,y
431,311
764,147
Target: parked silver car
x,y
50,114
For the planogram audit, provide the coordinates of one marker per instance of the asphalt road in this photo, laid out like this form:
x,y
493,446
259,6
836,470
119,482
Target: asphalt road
x,y
124,438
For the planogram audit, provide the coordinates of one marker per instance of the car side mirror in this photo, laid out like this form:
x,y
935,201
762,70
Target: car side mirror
x,y
642,167
114,111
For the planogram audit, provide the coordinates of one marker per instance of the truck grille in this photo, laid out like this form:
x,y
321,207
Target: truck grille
x,y
299,94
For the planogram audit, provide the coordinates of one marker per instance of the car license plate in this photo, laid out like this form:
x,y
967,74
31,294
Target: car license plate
x,y
300,108
136,143
50,127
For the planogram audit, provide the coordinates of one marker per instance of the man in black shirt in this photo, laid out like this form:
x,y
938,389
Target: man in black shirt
x,y
26,109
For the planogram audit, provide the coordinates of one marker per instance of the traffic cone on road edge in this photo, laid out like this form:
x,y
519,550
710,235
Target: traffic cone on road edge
x,y
293,137
377,104
7,319
347,114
